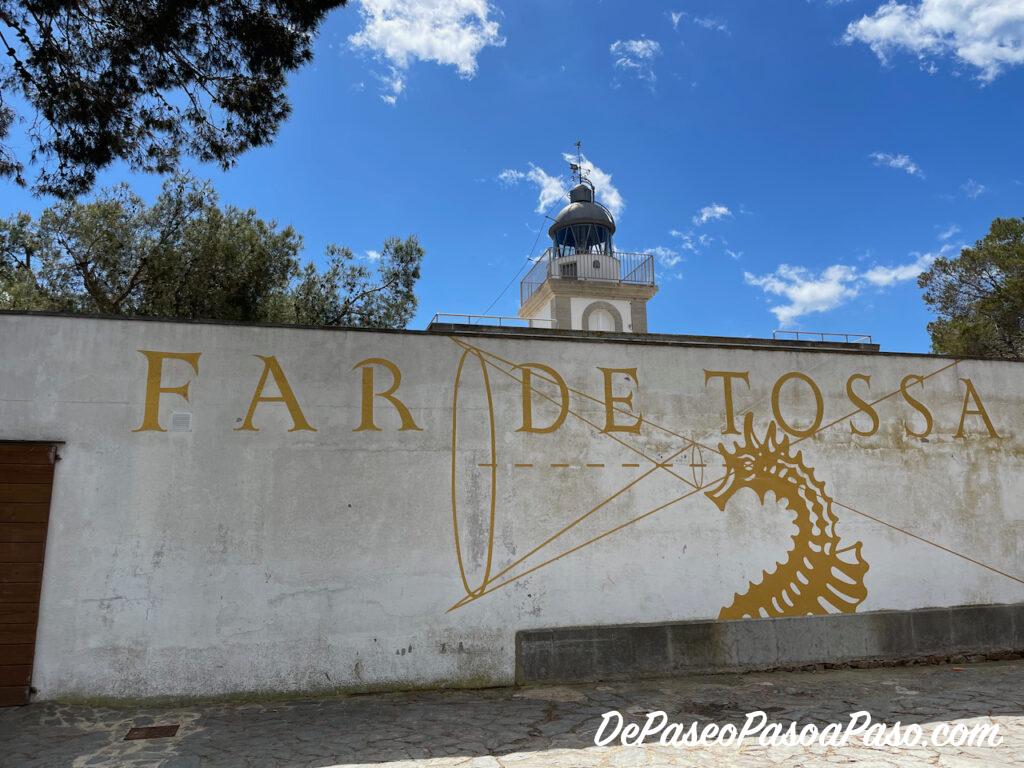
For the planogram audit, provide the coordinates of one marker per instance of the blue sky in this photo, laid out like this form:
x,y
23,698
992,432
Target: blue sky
x,y
792,163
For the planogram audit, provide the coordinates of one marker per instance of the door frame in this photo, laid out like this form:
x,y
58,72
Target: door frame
x,y
20,515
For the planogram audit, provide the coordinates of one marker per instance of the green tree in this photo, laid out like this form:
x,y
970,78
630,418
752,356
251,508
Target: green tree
x,y
186,256
145,81
979,296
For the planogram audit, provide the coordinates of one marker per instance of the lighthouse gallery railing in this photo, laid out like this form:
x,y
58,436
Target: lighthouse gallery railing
x,y
618,267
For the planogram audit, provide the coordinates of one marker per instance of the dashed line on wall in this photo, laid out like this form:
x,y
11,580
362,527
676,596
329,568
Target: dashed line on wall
x,y
567,465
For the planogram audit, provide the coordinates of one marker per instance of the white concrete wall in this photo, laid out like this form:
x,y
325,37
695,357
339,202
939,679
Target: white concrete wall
x,y
216,561
577,306
543,314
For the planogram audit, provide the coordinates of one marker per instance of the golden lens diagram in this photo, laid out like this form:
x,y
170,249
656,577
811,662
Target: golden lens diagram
x,y
822,572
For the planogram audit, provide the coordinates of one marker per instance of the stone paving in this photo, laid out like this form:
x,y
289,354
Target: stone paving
x,y
533,727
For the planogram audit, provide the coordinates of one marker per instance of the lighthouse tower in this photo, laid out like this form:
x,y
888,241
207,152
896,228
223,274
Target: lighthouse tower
x,y
581,282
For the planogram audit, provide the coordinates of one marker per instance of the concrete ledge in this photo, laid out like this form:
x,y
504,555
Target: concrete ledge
x,y
683,340
580,654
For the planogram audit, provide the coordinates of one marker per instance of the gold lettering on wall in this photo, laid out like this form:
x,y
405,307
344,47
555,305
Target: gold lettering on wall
x,y
727,377
610,401
528,398
273,368
366,423
861,405
155,388
917,405
978,411
819,404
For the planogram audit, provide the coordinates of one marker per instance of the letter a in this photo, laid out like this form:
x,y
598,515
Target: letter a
x,y
972,393
272,367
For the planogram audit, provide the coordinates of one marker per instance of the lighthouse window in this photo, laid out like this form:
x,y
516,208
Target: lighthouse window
x,y
583,238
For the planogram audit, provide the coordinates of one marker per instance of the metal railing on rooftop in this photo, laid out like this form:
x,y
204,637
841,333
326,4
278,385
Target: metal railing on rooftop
x,y
499,320
847,338
615,267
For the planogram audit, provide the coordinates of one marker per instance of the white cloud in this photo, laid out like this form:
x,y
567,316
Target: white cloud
x,y
712,23
985,34
511,176
972,189
394,85
900,162
700,243
447,32
708,22
605,191
950,231
552,188
667,257
636,57
642,49
372,255
686,238
806,292
711,212
886,276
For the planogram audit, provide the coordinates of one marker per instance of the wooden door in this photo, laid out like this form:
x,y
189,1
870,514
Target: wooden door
x,y
26,477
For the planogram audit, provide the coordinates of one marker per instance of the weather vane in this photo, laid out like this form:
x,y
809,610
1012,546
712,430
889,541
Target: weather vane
x,y
577,167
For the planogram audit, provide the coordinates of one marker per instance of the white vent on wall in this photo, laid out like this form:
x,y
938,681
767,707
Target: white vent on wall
x,y
181,421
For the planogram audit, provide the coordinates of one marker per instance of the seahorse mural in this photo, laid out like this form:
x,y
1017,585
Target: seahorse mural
x,y
819,576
